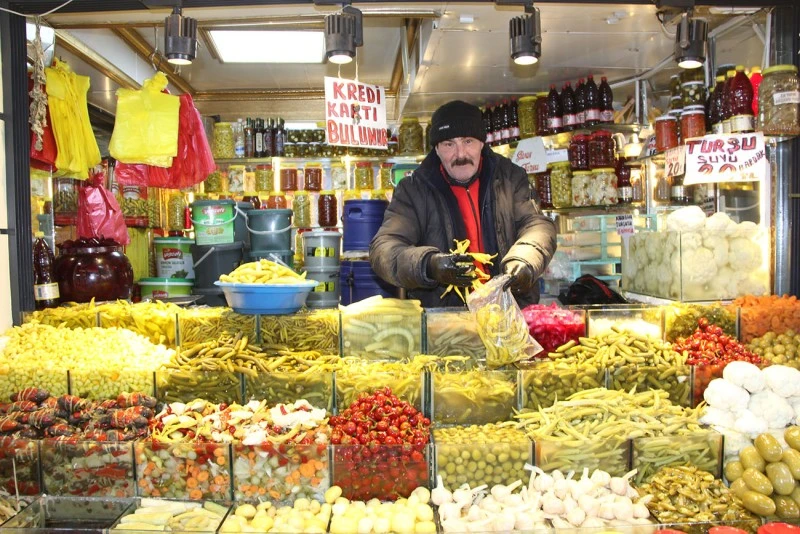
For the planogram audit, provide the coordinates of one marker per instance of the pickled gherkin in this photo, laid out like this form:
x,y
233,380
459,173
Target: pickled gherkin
x,y
561,185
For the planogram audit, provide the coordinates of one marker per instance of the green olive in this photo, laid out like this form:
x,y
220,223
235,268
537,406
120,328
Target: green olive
x,y
733,471
757,481
791,458
786,508
796,495
792,437
751,459
758,503
781,478
768,447
738,487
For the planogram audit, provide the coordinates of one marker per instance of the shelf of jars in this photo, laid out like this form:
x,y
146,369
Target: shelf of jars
x,y
396,158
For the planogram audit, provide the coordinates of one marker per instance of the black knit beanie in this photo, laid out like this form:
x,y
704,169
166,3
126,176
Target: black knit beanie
x,y
457,119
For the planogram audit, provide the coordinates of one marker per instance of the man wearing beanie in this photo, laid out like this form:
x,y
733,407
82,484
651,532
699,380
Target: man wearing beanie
x,y
462,190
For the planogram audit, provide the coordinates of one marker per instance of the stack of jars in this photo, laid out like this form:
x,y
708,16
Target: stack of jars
x,y
594,181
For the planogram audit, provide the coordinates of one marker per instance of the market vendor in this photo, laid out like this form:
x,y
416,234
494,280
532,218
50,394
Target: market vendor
x,y
462,190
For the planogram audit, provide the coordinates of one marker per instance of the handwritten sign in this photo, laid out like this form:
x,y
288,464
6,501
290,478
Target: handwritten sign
x,y
625,225
556,155
355,113
531,155
725,158
675,161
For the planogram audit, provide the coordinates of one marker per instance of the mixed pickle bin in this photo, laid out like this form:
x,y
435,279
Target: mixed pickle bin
x,y
697,266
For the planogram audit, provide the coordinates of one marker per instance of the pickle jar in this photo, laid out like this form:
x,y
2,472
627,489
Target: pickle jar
x,y
251,197
365,176
313,177
214,182
410,137
289,150
580,188
541,114
276,201
779,101
386,176
175,209
578,152
236,178
601,150
543,189
301,209
265,178
561,185
666,128
603,187
339,176
693,94
223,141
693,124
327,209
675,85
288,179
526,113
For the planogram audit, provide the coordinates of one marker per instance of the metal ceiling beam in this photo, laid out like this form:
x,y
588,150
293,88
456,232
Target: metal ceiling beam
x,y
74,46
139,44
412,26
249,95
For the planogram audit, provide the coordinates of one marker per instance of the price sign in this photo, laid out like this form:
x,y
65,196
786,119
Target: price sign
x,y
530,155
726,158
675,161
709,206
556,155
625,225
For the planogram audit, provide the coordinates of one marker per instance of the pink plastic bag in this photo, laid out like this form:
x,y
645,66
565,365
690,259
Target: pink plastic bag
x,y
99,214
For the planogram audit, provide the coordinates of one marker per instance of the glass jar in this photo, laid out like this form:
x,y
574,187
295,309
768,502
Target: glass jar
x,y
93,268
693,124
676,102
214,182
624,185
580,188
365,176
223,141
601,150
526,113
327,209
543,189
637,182
288,179
313,177
603,187
579,152
289,150
675,85
251,197
301,208
541,114
236,178
561,185
693,94
666,132
779,101
339,176
265,178
410,137
276,201
175,208
386,176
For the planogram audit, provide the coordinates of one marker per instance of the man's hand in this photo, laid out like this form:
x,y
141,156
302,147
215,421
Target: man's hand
x,y
521,274
451,269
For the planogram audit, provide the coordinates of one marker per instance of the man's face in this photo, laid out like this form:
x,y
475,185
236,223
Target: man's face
x,y
460,157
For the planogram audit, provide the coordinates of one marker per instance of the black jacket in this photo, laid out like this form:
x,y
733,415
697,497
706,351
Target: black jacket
x,y
423,218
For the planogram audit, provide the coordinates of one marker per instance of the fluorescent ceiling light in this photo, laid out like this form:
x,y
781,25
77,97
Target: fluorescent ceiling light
x,y
262,46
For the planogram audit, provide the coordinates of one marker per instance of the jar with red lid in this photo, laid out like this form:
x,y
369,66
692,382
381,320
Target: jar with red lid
x,y
288,179
327,209
666,132
693,124
313,178
541,114
276,201
601,149
542,183
579,152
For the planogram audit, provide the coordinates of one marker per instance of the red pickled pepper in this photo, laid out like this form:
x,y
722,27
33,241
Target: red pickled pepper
x,y
553,326
709,345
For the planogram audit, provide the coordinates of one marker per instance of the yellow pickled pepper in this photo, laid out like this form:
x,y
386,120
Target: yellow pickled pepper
x,y
69,114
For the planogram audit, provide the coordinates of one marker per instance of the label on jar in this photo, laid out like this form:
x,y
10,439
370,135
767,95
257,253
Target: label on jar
x,y
625,193
717,128
593,114
570,119
131,192
787,97
607,116
726,126
45,291
554,122
742,123
677,192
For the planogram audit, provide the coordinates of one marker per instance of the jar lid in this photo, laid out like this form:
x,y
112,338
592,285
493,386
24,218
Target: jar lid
x,y
387,165
676,98
277,194
695,82
250,193
580,173
602,133
288,167
688,112
695,107
675,112
603,170
581,137
666,118
410,119
363,164
542,94
314,165
779,68
222,124
264,167
528,98
326,192
236,167
301,192
561,164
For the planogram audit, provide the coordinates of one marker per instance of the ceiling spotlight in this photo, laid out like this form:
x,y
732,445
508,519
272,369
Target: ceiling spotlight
x,y
690,42
344,32
180,38
525,36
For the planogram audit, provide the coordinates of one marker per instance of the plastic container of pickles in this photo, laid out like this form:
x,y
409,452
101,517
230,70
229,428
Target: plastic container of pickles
x,y
472,396
184,386
57,514
287,387
304,330
453,333
545,382
610,455
382,329
87,468
197,325
702,450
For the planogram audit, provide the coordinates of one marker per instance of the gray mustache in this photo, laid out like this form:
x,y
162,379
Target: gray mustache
x,y
464,161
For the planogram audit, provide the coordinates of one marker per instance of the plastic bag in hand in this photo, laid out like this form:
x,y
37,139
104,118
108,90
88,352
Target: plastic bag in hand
x,y
99,214
501,325
146,127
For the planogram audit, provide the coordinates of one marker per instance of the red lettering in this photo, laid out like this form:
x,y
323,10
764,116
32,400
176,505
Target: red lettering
x,y
332,109
337,90
718,145
691,143
727,168
373,137
361,91
351,91
370,95
333,134
344,110
380,92
749,143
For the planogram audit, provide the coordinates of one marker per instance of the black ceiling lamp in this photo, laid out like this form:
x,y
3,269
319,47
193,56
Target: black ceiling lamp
x,y
180,38
690,42
525,36
344,32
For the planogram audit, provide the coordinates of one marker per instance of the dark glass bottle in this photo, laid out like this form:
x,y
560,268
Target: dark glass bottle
x,y
592,105
555,114
678,192
506,122
624,186
741,99
259,132
570,118
487,125
606,101
249,139
280,138
497,126
580,104
45,286
715,105
513,113
269,139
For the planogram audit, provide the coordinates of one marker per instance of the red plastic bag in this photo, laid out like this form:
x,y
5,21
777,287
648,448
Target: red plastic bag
x,y
99,214
141,175
44,159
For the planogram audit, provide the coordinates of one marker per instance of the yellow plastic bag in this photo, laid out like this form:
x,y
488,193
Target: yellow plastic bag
x,y
146,129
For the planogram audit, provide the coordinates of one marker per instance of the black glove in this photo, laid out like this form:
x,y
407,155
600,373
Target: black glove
x,y
451,269
521,274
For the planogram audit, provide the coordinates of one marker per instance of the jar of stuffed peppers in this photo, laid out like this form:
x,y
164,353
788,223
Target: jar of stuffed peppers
x,y
365,176
561,185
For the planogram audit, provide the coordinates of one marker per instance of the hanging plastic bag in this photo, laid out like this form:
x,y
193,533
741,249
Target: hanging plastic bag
x,y
501,325
99,214
146,127
43,158
194,161
142,175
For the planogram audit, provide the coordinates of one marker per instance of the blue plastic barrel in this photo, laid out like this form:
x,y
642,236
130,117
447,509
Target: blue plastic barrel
x,y
358,281
360,221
